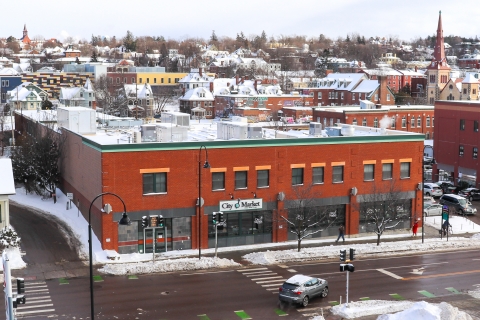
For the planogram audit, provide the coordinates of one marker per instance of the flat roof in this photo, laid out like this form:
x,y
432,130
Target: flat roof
x,y
199,132
342,109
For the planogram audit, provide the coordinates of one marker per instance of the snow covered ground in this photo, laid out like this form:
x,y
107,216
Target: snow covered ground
x,y
183,260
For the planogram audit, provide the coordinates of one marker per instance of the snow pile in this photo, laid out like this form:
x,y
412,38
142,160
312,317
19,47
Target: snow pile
x,y
475,293
362,250
427,311
370,307
404,310
185,264
459,224
14,259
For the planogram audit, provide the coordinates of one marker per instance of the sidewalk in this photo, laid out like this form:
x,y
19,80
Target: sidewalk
x,y
81,269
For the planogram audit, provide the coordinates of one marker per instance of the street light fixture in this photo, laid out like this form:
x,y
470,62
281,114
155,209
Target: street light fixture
x,y
423,188
206,165
124,221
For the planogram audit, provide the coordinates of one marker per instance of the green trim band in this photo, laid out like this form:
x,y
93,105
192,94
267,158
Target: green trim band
x,y
254,143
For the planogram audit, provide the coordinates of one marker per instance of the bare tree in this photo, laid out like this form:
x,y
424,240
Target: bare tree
x,y
305,216
112,100
384,207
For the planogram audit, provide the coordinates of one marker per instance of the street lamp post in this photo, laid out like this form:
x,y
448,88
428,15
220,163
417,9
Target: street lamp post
x,y
423,189
206,165
124,221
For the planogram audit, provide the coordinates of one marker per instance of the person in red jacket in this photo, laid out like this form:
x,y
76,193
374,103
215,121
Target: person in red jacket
x,y
415,228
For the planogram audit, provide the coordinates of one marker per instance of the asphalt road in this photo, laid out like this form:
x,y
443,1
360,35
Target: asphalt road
x,y
251,292
42,238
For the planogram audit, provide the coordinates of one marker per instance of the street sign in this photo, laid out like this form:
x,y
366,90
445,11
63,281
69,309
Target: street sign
x,y
445,213
70,195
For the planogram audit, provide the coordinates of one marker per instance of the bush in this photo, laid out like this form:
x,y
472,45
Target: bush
x,y
9,238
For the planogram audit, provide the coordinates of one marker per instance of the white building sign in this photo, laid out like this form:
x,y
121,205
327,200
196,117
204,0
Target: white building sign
x,y
241,205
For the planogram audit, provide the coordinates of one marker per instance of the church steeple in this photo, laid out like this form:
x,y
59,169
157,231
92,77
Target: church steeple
x,y
439,60
25,32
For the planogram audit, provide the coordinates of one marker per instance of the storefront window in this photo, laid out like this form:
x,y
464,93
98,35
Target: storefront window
x,y
328,219
397,211
243,224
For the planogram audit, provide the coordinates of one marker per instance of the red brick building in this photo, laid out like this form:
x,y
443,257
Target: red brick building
x,y
457,138
414,118
259,175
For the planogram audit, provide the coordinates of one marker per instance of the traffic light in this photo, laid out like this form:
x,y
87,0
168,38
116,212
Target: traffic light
x,y
343,255
220,221
144,221
352,254
20,285
161,223
214,218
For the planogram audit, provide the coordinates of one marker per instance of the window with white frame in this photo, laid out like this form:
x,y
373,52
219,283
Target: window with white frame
x,y
375,123
404,170
364,122
427,121
419,122
393,122
368,172
404,122
154,182
412,122
337,174
318,174
354,121
387,171
218,180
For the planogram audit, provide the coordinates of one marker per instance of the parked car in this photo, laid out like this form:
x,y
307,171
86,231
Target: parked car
x,y
445,184
458,203
432,190
470,193
299,289
432,209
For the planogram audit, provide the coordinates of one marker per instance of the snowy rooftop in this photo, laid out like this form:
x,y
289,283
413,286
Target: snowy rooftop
x,y
123,130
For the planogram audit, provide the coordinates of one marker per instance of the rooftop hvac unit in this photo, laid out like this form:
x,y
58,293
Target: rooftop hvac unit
x,y
149,133
254,132
333,132
137,137
315,129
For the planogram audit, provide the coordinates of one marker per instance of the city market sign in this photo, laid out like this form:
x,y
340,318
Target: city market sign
x,y
241,205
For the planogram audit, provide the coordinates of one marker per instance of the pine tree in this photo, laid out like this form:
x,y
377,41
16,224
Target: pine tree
x,y
94,57
77,61
213,38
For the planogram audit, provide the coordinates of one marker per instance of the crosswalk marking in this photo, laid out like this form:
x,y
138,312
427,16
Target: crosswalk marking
x,y
272,285
260,274
267,278
38,300
253,274
247,270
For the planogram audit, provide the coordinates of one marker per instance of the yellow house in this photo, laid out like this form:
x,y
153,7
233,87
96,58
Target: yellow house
x,y
160,78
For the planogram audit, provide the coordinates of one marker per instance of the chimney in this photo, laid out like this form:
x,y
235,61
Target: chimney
x,y
416,69
255,85
211,86
236,79
200,71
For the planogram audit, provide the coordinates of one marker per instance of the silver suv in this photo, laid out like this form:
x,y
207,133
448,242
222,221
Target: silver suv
x,y
432,190
299,289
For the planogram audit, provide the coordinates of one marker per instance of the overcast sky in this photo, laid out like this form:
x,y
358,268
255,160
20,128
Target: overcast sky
x,y
407,19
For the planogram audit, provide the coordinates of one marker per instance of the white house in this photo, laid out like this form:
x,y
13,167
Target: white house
x,y
7,188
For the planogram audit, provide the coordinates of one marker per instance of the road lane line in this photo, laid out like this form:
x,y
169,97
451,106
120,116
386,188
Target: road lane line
x,y
36,306
388,273
256,272
36,311
248,270
199,273
272,285
267,278
442,275
269,281
453,290
388,268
